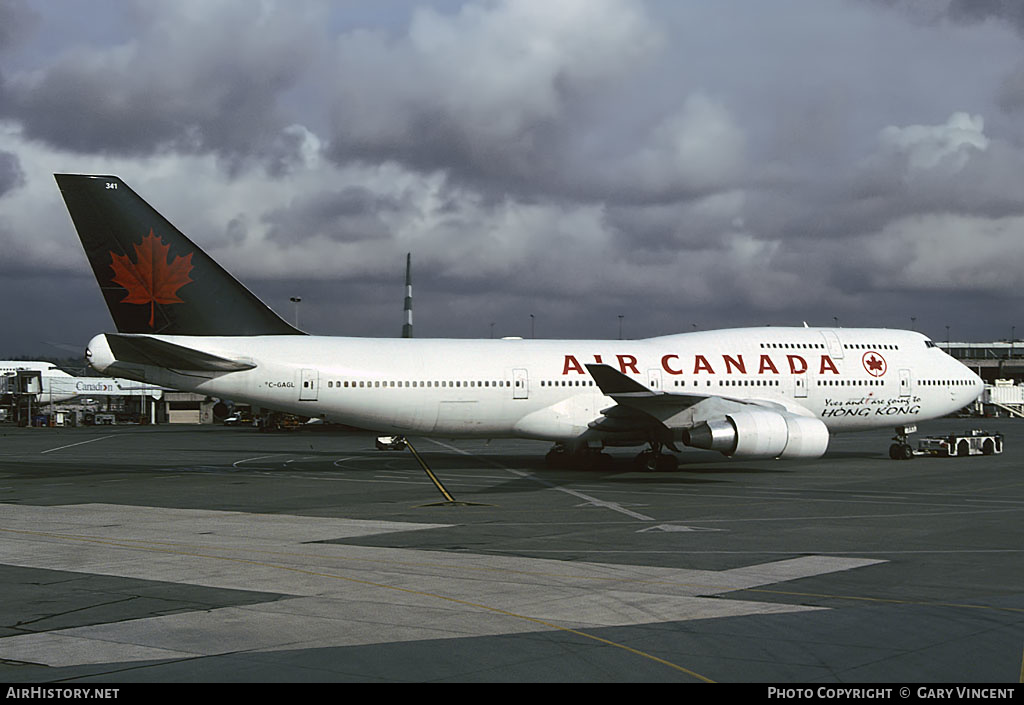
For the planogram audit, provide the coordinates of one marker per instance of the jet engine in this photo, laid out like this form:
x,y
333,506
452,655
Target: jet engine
x,y
761,433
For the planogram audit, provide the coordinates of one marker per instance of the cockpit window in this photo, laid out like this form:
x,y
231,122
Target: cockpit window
x,y
929,344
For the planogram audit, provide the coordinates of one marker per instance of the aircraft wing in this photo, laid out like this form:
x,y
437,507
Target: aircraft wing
x,y
143,350
734,426
639,407
631,393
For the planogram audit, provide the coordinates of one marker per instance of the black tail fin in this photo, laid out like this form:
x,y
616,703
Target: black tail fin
x,y
154,279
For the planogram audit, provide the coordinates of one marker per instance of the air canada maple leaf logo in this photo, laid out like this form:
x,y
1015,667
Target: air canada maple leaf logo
x,y
874,363
151,279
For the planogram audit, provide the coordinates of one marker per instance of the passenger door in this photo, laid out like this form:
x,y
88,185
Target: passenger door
x,y
520,384
905,383
654,379
309,381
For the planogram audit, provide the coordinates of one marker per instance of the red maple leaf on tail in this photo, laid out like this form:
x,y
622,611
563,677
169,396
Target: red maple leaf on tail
x,y
150,279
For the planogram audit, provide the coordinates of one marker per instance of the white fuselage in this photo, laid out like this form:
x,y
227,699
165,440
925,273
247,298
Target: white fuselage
x,y
850,379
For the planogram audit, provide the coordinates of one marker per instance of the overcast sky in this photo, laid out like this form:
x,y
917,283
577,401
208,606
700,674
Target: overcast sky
x,y
679,164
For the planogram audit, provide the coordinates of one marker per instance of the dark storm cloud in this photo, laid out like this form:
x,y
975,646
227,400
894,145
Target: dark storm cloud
x,y
1011,93
352,214
181,83
16,23
961,11
11,175
677,163
1011,11
507,97
17,20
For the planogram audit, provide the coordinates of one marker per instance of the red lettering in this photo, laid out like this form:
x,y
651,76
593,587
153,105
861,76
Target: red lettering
x,y
627,361
597,359
701,364
767,364
827,364
664,365
738,363
572,364
793,359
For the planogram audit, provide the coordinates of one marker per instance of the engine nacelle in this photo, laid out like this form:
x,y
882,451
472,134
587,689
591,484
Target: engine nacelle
x,y
761,433
808,437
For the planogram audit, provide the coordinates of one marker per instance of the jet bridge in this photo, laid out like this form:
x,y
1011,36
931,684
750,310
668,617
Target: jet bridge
x,y
1005,396
18,391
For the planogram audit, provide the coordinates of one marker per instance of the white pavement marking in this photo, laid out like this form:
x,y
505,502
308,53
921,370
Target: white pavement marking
x,y
593,501
72,445
670,528
337,594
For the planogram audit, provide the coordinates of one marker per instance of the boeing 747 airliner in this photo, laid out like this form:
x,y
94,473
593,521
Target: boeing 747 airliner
x,y
183,322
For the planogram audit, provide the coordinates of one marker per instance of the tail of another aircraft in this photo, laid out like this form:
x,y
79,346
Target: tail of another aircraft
x,y
154,279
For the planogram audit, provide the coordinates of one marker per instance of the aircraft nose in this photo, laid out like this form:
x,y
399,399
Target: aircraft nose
x,y
975,387
979,385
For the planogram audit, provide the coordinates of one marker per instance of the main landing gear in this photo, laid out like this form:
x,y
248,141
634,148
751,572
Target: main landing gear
x,y
586,458
901,449
579,458
653,460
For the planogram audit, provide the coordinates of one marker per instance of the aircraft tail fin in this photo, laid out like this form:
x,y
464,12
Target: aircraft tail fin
x,y
153,278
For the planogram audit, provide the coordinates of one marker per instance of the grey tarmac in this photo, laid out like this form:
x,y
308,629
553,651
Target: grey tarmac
x,y
213,554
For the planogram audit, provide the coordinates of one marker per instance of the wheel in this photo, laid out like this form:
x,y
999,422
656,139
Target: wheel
x,y
906,452
667,463
556,458
646,461
988,447
587,460
894,451
963,449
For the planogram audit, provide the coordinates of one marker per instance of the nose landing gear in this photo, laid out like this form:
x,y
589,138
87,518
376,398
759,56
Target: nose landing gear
x,y
901,449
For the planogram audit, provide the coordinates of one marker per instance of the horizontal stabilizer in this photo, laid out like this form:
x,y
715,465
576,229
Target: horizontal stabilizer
x,y
143,350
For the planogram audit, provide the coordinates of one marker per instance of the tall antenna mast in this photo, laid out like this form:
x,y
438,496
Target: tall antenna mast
x,y
407,326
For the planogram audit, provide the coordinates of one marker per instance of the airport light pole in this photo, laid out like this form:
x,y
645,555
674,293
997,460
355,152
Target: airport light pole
x,y
531,326
296,300
620,326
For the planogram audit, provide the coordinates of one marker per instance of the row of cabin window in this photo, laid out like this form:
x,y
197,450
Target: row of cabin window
x,y
945,382
865,346
331,384
850,383
776,383
732,382
820,346
589,383
793,346
748,383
